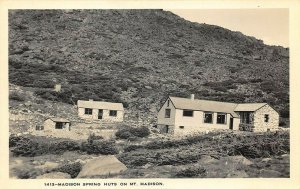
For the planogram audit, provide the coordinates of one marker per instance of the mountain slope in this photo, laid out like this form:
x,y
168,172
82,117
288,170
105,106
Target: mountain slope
x,y
139,57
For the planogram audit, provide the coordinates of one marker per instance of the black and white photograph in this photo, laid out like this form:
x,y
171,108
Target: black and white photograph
x,y
148,93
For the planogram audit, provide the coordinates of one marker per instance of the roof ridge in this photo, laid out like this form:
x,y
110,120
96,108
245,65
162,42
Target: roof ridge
x,y
254,103
100,101
205,100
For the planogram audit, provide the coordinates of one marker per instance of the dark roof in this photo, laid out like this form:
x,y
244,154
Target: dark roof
x,y
57,119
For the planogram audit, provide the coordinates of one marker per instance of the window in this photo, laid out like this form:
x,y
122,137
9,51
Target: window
x,y
181,127
113,113
266,118
221,118
168,103
39,127
59,125
168,113
208,117
245,117
88,111
188,113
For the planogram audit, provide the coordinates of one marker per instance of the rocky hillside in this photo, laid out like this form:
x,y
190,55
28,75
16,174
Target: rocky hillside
x,y
139,57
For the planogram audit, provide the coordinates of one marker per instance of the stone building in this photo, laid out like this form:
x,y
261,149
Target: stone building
x,y
97,110
55,124
187,115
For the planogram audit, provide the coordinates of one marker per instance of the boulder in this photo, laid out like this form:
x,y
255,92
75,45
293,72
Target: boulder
x,y
238,174
148,87
54,175
48,165
239,159
80,161
101,166
269,173
206,159
266,159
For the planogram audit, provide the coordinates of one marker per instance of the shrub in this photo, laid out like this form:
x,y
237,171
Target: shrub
x,y
26,147
191,172
132,148
124,135
99,147
285,113
141,131
26,173
63,146
14,140
282,123
268,86
93,137
220,88
32,147
72,169
43,84
16,96
131,132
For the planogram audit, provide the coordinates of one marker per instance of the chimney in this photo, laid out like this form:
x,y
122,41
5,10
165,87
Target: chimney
x,y
91,100
192,96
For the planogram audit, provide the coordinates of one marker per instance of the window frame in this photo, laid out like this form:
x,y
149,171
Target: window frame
x,y
225,119
266,118
245,117
167,115
60,124
185,111
88,111
111,114
39,127
212,117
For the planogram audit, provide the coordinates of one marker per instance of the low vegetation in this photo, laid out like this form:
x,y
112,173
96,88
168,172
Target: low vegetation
x,y
219,144
31,146
132,132
187,157
191,172
105,147
16,96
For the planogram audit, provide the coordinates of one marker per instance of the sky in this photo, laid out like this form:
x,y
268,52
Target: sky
x,y
269,25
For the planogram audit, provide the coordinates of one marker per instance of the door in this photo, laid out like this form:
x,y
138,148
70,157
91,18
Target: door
x,y
165,129
231,123
100,114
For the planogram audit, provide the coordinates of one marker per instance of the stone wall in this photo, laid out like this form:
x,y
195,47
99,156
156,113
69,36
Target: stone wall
x,y
260,125
246,127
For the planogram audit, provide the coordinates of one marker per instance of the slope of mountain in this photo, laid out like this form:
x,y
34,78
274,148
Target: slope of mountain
x,y
139,57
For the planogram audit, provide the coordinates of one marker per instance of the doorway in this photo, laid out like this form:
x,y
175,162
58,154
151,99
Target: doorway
x,y
231,123
100,114
166,129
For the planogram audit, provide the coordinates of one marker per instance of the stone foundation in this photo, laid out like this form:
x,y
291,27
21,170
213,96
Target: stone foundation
x,y
246,127
166,129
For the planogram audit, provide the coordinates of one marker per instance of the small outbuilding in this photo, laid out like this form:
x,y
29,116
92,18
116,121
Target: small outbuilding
x,y
56,123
